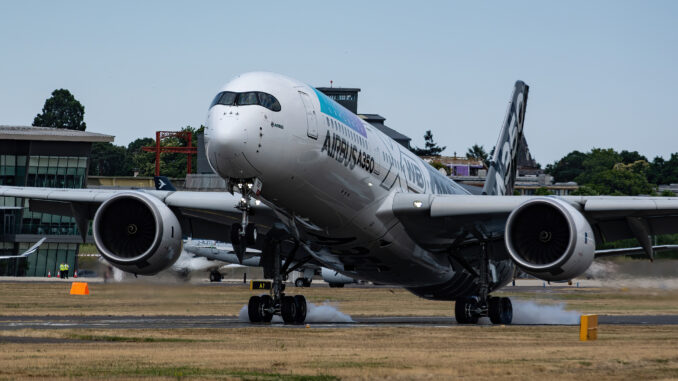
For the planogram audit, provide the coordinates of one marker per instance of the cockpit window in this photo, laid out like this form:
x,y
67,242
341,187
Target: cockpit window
x,y
230,98
224,98
269,101
245,99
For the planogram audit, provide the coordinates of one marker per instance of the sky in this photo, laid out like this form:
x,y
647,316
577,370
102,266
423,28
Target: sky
x,y
601,73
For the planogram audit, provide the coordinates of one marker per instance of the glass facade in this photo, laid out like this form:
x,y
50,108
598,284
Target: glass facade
x,y
21,228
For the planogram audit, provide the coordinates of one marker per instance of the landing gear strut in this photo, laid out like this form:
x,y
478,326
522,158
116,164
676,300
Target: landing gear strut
x,y
262,308
498,309
244,234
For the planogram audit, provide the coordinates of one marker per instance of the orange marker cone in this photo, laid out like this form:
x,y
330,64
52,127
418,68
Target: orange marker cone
x,y
79,288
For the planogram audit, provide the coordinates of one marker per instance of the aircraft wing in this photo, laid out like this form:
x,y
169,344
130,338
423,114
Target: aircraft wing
x,y
28,252
437,221
207,215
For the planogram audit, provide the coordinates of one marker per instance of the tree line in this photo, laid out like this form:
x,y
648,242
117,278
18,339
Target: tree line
x,y
604,171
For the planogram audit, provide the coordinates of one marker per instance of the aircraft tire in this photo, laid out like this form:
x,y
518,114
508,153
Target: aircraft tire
x,y
300,302
300,282
251,234
288,309
235,234
463,311
500,310
254,309
264,306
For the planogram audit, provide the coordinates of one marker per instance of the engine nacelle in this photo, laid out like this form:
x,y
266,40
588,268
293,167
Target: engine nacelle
x,y
137,233
549,239
334,278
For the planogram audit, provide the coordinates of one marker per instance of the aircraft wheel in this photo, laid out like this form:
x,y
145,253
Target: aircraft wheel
x,y
215,276
254,309
235,234
251,234
299,282
464,311
288,309
300,302
500,310
265,308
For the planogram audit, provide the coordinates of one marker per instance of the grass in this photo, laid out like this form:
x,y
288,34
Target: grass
x,y
352,353
472,352
141,298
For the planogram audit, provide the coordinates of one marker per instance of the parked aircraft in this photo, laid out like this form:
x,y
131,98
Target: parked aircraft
x,y
28,252
224,252
310,182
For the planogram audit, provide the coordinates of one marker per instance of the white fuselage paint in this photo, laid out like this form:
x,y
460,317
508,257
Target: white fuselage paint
x,y
328,181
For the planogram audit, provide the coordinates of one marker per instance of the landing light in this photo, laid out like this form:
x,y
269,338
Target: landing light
x,y
369,184
418,204
257,202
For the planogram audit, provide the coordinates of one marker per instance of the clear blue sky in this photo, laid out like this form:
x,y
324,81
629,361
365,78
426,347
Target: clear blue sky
x,y
602,73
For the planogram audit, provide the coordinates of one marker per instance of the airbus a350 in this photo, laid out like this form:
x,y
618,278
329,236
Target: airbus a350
x,y
311,182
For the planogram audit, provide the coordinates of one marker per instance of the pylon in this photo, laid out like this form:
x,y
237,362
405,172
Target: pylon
x,y
49,274
75,274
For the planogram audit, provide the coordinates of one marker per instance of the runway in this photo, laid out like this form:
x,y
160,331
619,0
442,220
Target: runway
x,y
184,322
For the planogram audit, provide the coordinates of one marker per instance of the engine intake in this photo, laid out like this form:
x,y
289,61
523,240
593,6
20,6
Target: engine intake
x,y
137,233
550,239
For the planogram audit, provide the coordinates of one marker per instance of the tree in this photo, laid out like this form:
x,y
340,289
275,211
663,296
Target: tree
x,y
62,110
477,152
431,149
567,168
542,191
107,159
663,171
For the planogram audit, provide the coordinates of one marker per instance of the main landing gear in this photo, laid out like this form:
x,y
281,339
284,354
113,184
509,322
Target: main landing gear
x,y
261,309
498,309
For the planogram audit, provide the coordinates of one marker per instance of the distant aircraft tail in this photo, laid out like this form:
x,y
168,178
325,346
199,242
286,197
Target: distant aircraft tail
x,y
502,172
163,183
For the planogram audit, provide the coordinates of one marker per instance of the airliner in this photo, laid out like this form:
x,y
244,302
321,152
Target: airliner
x,y
311,182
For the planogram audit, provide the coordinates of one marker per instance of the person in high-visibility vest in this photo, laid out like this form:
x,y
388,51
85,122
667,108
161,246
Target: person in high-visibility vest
x,y
62,270
66,267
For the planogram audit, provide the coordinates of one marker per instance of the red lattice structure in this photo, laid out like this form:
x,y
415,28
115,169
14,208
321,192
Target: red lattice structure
x,y
188,150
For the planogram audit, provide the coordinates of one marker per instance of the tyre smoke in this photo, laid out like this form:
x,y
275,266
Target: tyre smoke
x,y
315,313
528,312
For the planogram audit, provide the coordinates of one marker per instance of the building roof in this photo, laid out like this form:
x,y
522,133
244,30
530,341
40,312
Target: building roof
x,y
377,121
51,134
338,89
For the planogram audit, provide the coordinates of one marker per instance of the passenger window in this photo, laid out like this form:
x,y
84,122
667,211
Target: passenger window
x,y
245,99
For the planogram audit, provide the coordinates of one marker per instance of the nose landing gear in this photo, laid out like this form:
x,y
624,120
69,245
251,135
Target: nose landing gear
x,y
244,234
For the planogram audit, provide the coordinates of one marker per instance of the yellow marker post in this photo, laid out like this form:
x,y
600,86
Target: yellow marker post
x,y
588,328
79,288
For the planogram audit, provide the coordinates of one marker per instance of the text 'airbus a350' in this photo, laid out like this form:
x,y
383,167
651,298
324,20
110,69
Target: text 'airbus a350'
x,y
310,182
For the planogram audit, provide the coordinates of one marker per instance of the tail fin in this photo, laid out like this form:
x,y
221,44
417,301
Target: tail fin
x,y
163,183
502,172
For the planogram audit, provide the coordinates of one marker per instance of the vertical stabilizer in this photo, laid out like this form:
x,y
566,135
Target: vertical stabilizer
x,y
502,172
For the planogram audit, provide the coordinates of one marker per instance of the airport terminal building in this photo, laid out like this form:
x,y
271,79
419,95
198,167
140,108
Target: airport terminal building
x,y
41,157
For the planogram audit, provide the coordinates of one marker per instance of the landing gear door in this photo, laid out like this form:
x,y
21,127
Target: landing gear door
x,y
312,126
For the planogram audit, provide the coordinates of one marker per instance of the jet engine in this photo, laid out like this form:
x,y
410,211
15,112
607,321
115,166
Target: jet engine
x,y
137,233
549,239
335,279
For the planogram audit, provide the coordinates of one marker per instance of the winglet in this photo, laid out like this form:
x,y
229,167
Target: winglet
x,y
163,183
502,172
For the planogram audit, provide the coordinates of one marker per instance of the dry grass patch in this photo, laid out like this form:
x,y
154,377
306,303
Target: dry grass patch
x,y
226,300
507,353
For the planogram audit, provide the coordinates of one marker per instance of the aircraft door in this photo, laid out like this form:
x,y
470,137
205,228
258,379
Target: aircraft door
x,y
311,122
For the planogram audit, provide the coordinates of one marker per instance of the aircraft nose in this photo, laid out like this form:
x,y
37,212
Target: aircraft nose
x,y
226,143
